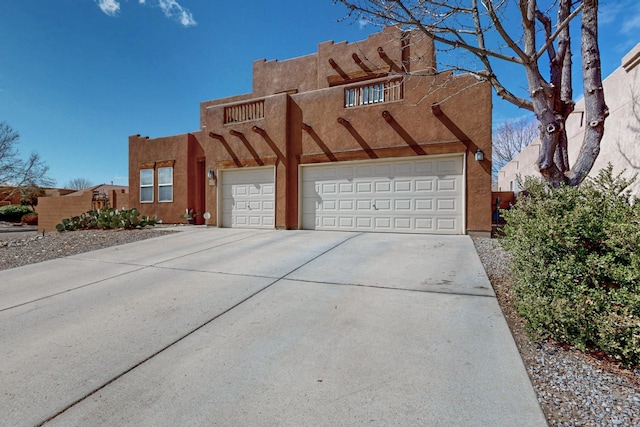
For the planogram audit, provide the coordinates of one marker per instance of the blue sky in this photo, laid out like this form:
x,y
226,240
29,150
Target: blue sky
x,y
77,77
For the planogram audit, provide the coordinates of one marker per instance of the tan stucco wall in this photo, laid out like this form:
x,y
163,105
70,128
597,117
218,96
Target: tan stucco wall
x,y
619,144
52,209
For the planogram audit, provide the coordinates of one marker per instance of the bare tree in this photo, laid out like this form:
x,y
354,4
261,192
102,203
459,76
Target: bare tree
x,y
510,138
29,195
16,172
79,184
529,35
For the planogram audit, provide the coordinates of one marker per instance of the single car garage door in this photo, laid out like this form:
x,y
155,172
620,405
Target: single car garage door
x,y
410,195
248,197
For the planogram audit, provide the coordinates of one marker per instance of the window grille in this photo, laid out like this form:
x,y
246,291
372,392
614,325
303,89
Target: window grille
x,y
373,93
244,112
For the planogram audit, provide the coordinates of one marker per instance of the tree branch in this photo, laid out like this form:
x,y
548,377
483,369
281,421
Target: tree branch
x,y
551,38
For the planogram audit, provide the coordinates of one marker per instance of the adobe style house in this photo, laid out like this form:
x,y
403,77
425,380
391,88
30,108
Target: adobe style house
x,y
362,136
619,145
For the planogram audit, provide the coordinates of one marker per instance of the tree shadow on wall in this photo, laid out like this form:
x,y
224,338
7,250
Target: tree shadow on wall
x,y
629,153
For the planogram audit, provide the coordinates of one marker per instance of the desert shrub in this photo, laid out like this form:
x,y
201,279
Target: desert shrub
x,y
30,219
108,218
13,213
576,260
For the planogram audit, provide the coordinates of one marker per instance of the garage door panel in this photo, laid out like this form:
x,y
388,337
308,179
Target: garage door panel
x,y
346,188
346,222
424,224
345,205
446,205
329,221
329,205
424,168
383,187
383,223
405,169
346,172
424,204
420,195
446,223
402,186
382,170
364,187
402,205
364,223
449,165
363,205
424,185
248,198
403,224
268,205
382,204
329,188
448,184
364,171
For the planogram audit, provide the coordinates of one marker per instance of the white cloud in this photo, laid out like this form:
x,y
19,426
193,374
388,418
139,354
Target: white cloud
x,y
173,10
110,7
631,22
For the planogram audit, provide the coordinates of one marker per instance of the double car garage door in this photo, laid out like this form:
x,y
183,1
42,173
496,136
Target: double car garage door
x,y
411,195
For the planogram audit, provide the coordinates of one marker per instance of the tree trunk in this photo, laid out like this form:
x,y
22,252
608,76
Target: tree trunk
x,y
595,107
552,107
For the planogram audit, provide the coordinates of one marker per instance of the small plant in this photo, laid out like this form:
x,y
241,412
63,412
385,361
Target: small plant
x,y
13,213
189,215
576,259
108,218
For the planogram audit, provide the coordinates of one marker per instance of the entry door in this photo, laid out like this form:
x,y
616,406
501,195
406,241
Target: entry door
x,y
248,198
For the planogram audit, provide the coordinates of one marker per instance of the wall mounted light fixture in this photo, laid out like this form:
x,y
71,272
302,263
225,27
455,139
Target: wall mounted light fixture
x,y
479,155
211,175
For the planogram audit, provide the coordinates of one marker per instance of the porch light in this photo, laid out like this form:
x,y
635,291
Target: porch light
x,y
479,155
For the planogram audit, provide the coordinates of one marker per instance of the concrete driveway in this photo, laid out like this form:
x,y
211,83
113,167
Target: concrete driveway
x,y
241,327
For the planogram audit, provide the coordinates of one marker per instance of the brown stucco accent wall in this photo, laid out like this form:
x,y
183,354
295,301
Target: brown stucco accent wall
x,y
184,151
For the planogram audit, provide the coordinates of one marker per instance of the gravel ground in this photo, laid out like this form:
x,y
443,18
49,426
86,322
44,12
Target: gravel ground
x,y
573,388
22,248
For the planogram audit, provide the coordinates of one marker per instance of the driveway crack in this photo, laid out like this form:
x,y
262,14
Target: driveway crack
x,y
194,330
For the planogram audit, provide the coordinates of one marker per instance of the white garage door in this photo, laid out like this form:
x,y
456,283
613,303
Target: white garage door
x,y
248,198
422,195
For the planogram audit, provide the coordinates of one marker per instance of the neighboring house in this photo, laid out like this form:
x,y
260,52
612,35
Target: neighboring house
x,y
621,136
13,195
10,196
67,204
336,140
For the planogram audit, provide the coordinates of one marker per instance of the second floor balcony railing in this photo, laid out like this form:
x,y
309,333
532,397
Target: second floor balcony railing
x,y
375,93
244,112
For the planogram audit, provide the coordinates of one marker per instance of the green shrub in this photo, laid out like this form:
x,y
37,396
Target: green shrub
x,y
13,213
108,218
576,259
